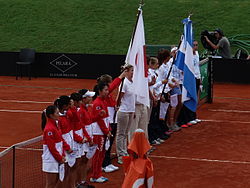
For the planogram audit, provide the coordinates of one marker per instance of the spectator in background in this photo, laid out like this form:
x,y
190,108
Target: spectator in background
x,y
223,45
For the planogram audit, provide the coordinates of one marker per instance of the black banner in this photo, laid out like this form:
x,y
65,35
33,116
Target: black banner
x,y
65,65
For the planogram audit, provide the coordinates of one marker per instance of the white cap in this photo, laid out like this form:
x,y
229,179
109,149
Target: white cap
x,y
174,49
88,94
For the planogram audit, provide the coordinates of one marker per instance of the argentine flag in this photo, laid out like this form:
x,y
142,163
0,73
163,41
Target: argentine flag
x,y
184,61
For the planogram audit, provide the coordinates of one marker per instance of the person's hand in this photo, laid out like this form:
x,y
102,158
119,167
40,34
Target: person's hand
x,y
102,113
116,108
91,143
123,74
70,151
164,81
155,101
171,85
153,80
162,99
206,38
63,160
109,134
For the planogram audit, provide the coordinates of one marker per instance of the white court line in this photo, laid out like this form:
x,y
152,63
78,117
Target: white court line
x,y
226,121
22,111
203,160
3,147
17,101
235,111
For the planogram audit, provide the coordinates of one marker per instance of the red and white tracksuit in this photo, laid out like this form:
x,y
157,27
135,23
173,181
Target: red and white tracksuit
x,y
87,118
67,131
100,130
73,115
111,103
53,147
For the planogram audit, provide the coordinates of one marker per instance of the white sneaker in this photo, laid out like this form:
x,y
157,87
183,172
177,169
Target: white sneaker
x,y
113,166
198,120
108,169
160,140
98,180
176,128
193,122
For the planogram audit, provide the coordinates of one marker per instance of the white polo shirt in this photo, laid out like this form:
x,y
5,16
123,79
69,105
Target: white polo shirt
x,y
128,99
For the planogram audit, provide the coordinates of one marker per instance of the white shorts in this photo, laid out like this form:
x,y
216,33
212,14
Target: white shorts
x,y
79,148
85,147
51,167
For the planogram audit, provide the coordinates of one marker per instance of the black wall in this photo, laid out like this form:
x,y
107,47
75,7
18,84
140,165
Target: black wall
x,y
231,70
88,66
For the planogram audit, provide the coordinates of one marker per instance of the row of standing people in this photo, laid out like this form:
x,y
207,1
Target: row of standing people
x,y
167,113
78,129
75,129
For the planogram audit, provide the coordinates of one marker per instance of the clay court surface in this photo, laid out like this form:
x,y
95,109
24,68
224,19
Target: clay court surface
x,y
211,154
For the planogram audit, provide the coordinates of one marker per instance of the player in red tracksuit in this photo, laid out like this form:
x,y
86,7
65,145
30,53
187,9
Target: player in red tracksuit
x,y
79,140
111,103
63,103
87,118
101,130
53,146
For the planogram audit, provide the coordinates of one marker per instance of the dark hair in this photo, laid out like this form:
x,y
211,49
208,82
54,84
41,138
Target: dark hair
x,y
98,88
163,54
219,31
61,101
82,91
46,114
76,97
104,78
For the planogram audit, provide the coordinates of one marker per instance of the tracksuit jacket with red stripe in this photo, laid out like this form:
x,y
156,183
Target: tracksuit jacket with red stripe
x,y
110,101
87,118
73,116
98,105
53,143
66,128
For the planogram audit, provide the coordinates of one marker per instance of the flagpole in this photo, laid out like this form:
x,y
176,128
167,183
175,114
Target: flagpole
x,y
138,15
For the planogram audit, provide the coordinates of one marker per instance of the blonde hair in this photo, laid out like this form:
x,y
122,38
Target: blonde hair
x,y
153,61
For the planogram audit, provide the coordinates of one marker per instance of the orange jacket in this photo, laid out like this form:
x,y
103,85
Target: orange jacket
x,y
138,167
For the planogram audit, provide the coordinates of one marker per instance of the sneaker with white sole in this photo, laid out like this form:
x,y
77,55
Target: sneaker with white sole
x,y
98,180
160,140
193,122
176,128
113,166
108,169
198,120
155,142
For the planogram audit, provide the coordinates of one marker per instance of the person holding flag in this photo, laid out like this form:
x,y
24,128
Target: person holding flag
x,y
136,56
184,62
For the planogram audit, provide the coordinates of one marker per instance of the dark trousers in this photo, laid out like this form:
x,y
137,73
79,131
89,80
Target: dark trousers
x,y
156,127
187,115
107,158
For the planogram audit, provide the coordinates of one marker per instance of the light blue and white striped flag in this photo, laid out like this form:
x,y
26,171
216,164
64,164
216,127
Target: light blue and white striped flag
x,y
184,61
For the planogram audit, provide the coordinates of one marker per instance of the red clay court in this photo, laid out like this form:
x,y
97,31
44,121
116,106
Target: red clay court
x,y
211,154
